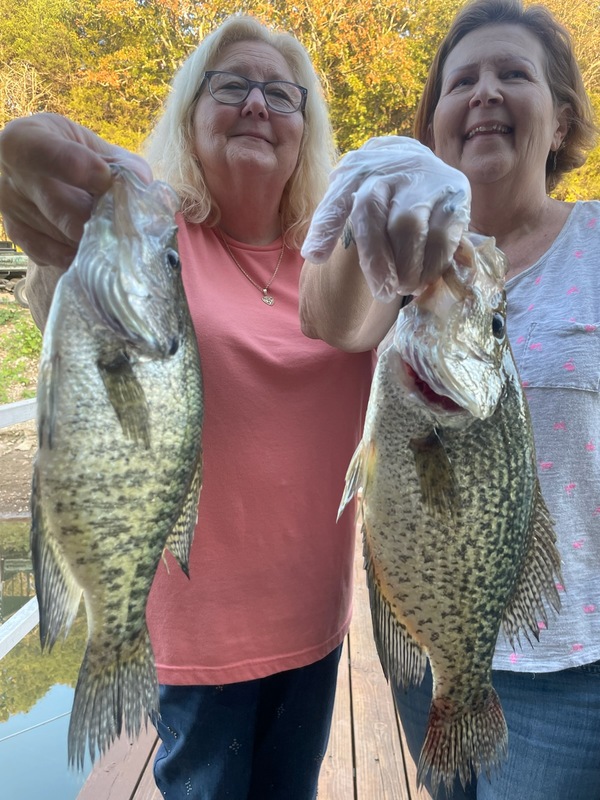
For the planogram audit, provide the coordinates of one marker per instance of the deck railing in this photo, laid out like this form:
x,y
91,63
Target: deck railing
x,y
14,413
27,617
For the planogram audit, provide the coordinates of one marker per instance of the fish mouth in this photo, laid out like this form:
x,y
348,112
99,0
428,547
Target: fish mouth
x,y
430,396
487,128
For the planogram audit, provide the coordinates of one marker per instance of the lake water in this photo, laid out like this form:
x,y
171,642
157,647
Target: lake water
x,y
36,690
33,751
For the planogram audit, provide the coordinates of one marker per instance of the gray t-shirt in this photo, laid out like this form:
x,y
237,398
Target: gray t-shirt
x,y
554,330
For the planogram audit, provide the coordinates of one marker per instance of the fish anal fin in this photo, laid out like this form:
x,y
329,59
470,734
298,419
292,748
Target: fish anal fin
x,y
127,398
459,742
435,473
57,591
535,588
402,658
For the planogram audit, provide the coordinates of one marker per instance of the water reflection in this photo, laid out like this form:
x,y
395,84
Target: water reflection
x,y
38,739
36,690
16,577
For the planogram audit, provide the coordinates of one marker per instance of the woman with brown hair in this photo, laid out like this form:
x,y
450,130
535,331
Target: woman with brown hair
x,y
505,105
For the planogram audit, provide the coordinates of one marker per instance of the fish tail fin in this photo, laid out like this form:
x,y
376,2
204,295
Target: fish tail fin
x,y
357,475
112,697
536,586
472,740
57,591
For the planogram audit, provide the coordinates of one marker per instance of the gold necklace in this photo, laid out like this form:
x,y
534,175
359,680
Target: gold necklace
x,y
266,297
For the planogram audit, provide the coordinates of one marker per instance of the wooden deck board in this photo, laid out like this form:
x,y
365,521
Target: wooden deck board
x,y
411,770
380,773
367,758
117,775
147,789
337,772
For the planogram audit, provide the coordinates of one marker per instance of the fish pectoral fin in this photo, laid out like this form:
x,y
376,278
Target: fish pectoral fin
x,y
435,473
57,591
358,473
535,588
402,658
127,397
179,541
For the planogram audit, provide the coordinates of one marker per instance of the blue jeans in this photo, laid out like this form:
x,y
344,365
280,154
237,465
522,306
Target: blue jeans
x,y
256,740
553,723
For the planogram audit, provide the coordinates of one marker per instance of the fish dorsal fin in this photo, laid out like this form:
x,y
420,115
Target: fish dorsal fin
x,y
179,542
435,473
58,593
47,403
401,657
536,585
357,475
127,397
50,376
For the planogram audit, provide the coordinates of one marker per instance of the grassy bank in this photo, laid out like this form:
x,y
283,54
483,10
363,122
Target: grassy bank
x,y
20,347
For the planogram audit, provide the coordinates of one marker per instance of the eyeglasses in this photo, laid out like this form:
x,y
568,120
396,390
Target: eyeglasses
x,y
231,89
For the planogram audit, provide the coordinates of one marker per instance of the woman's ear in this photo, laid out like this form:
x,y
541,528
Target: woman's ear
x,y
563,115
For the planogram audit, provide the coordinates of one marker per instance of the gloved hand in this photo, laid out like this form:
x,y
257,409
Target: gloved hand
x,y
407,210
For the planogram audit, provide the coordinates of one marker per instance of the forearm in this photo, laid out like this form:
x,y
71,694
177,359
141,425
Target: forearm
x,y
336,304
39,288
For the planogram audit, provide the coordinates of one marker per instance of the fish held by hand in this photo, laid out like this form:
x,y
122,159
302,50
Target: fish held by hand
x,y
118,471
458,541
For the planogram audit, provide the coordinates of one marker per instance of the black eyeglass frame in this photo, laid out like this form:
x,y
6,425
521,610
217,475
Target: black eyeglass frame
x,y
251,84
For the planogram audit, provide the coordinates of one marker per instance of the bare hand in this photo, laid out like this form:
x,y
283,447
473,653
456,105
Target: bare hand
x,y
51,170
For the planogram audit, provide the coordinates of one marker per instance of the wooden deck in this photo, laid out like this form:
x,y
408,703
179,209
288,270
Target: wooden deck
x,y
367,758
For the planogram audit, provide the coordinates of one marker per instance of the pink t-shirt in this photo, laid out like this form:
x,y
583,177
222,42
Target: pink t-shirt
x,y
270,585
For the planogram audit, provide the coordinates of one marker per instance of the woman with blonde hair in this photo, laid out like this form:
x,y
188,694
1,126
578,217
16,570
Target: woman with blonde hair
x,y
247,649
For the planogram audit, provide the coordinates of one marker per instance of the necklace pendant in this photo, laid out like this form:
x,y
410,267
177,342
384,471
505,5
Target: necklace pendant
x,y
267,298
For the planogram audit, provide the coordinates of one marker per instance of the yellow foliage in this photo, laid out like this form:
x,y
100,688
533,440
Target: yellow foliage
x,y
108,63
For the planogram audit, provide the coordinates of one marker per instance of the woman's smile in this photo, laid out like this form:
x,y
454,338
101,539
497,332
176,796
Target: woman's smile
x,y
487,129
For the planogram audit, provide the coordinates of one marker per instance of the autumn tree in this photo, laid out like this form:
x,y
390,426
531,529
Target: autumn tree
x,y
22,91
38,55
108,63
582,20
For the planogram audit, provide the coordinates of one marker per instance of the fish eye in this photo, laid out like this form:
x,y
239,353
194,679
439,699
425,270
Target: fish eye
x,y
173,261
498,325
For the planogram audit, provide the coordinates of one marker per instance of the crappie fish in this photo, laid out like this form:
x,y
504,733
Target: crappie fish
x,y
457,538
118,471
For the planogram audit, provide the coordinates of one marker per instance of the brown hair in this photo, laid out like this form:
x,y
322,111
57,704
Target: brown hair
x,y
562,74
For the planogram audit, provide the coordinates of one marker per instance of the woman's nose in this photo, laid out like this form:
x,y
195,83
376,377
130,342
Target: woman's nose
x,y
255,103
486,92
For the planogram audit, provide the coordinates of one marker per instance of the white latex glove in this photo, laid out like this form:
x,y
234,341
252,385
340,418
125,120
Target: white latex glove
x,y
407,210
